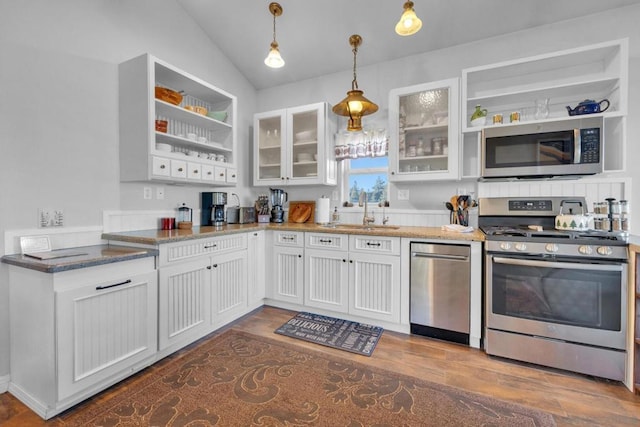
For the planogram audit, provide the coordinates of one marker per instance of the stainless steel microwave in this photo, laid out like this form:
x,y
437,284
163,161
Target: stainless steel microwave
x,y
541,150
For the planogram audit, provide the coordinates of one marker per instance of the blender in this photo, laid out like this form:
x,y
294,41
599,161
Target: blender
x,y
213,208
278,197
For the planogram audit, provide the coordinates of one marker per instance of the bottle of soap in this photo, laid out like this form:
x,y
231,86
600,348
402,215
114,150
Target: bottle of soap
x,y
335,217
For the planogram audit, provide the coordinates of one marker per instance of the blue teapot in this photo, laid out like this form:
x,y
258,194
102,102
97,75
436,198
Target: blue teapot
x,y
589,106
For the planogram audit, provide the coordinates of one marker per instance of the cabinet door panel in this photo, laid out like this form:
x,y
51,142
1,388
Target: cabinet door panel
x,y
375,281
229,286
104,331
257,268
288,274
326,284
184,291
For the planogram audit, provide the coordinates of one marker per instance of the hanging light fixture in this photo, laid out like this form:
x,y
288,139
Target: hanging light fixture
x,y
355,105
409,23
273,59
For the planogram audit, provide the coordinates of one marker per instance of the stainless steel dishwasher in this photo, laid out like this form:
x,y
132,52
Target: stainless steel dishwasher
x,y
440,291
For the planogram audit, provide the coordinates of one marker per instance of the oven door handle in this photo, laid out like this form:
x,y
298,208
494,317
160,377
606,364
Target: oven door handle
x,y
549,264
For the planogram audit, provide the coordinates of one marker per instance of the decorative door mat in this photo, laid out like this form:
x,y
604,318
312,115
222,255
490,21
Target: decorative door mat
x,y
345,335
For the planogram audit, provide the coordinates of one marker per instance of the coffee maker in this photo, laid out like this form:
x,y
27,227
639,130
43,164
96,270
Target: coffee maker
x,y
212,208
278,197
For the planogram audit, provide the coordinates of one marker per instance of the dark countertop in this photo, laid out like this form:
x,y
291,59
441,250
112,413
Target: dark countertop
x,y
156,237
80,257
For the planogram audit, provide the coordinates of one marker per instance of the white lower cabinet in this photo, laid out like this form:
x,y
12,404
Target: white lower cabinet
x,y
375,286
326,271
184,290
76,332
287,267
203,285
228,287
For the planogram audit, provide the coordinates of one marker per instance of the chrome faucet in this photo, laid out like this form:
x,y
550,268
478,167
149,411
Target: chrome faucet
x,y
366,220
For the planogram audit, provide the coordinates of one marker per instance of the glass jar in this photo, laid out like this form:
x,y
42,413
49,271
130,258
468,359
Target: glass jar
x,y
436,145
184,213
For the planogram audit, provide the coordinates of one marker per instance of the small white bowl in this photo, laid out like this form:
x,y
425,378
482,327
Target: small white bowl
x,y
480,121
192,153
305,157
192,136
161,146
202,140
306,135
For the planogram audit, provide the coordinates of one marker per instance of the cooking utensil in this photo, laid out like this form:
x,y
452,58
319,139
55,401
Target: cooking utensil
x,y
571,221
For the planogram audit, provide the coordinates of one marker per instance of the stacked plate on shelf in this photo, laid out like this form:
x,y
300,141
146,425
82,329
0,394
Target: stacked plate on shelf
x,y
306,136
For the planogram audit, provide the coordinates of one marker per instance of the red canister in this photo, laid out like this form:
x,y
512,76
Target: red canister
x,y
168,223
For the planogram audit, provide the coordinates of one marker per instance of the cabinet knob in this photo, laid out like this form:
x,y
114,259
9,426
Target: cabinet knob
x,y
299,256
344,260
350,261
162,166
222,174
215,265
209,173
233,176
393,172
282,178
179,169
208,267
195,171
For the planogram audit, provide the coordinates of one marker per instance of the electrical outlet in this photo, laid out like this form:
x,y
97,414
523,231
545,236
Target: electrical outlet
x,y
147,194
48,217
160,193
403,194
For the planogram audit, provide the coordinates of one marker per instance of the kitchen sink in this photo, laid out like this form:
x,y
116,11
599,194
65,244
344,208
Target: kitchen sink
x,y
362,227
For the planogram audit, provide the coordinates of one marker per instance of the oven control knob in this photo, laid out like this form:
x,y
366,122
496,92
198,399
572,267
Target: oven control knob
x,y
551,247
604,250
505,246
585,250
521,247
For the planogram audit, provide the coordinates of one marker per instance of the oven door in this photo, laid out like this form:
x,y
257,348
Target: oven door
x,y
580,302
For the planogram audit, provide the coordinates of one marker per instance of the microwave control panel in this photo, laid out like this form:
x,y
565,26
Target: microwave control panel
x,y
590,145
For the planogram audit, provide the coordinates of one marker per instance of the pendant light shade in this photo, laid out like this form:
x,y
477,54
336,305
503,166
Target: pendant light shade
x,y
273,59
409,23
355,105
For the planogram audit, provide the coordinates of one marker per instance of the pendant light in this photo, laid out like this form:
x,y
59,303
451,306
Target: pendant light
x,y
409,23
355,105
273,59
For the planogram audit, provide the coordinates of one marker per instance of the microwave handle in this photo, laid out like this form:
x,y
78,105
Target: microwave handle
x,y
577,146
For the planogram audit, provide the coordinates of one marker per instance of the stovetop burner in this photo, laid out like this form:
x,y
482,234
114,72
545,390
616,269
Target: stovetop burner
x,y
540,233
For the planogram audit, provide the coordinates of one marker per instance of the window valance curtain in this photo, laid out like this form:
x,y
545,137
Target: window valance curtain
x,y
368,143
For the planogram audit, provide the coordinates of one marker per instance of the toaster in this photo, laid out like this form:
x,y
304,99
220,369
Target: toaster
x,y
241,215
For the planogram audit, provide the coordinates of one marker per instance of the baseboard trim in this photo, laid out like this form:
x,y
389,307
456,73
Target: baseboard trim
x,y
4,383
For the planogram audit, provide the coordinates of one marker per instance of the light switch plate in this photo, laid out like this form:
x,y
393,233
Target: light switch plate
x,y
403,194
48,217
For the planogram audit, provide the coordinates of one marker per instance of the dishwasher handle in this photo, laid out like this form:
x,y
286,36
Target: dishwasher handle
x,y
440,256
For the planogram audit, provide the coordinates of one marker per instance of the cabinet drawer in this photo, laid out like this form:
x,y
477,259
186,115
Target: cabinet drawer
x,y
178,168
161,167
173,252
232,175
194,170
375,244
327,241
208,173
289,238
220,174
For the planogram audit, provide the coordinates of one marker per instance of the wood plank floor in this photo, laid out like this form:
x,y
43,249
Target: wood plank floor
x,y
574,400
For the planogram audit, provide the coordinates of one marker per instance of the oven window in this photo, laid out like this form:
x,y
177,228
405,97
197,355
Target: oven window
x,y
538,149
566,296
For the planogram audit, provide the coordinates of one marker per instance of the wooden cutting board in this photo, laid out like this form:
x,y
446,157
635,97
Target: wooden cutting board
x,y
301,211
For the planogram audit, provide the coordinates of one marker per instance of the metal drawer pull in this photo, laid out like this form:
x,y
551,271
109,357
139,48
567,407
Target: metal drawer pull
x,y
373,244
210,246
325,240
288,238
99,288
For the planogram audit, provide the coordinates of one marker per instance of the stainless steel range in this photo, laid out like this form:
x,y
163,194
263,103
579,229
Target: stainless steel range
x,y
554,298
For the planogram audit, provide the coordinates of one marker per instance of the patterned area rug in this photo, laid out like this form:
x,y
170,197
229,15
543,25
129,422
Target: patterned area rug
x,y
238,379
337,333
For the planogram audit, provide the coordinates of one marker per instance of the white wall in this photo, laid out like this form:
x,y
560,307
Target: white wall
x,y
379,79
59,113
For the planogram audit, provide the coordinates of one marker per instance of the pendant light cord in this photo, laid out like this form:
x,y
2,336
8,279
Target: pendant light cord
x,y
354,83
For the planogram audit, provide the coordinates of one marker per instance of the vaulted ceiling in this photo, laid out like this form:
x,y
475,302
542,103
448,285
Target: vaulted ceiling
x,y
313,34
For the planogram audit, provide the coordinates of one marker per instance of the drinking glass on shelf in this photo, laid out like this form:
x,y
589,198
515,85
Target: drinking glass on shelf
x,y
542,108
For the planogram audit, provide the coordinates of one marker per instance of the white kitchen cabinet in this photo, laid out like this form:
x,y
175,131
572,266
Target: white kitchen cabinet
x,y
326,270
294,146
184,292
188,160
424,131
374,277
228,287
256,255
76,332
202,286
564,78
286,269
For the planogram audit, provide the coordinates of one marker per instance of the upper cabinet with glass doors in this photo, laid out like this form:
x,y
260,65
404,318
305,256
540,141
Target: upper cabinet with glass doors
x,y
294,146
424,131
